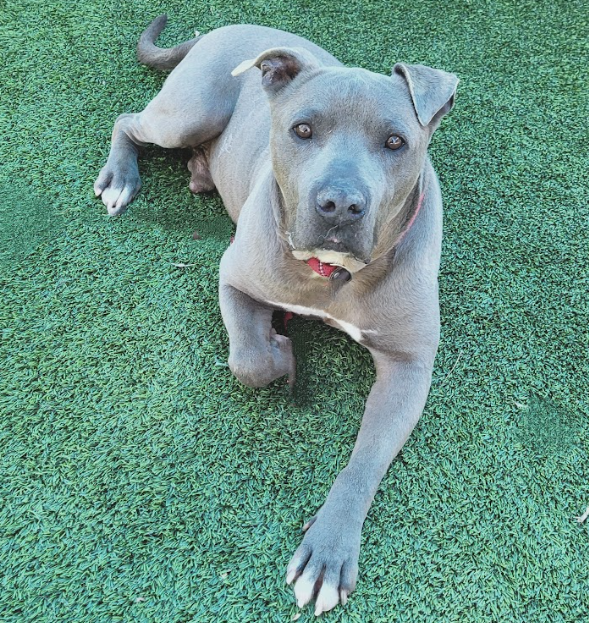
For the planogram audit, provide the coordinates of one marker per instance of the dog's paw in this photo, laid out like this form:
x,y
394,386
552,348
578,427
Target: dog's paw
x,y
258,368
325,566
283,355
117,187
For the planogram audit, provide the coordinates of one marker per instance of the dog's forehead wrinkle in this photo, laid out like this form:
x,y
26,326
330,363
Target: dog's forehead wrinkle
x,y
343,97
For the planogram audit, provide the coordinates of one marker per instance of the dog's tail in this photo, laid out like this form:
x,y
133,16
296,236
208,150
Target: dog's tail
x,y
161,58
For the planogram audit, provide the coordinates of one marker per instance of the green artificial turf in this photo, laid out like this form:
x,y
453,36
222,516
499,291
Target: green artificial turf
x,y
139,481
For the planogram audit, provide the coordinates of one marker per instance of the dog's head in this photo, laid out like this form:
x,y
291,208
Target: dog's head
x,y
348,147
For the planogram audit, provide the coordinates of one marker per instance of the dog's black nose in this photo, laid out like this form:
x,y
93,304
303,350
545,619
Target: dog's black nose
x,y
340,206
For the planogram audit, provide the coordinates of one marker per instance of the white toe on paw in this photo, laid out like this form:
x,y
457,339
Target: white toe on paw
x,y
304,590
291,574
297,563
293,569
327,599
124,198
110,196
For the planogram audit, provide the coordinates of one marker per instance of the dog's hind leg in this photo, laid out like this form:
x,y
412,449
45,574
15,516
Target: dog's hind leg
x,y
119,181
180,116
194,106
189,111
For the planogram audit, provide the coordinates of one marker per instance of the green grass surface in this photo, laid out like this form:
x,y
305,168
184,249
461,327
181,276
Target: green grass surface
x,y
140,482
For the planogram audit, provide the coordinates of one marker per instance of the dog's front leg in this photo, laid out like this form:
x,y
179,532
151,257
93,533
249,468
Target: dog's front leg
x,y
325,565
257,354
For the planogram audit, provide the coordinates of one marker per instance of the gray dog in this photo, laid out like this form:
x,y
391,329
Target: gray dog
x,y
339,216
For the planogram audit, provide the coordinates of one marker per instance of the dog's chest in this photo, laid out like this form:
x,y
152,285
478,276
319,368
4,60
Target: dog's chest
x,y
353,331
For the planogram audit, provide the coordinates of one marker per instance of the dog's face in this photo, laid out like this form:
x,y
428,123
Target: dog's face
x,y
348,147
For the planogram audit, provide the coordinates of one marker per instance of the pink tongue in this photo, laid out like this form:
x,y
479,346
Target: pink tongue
x,y
320,267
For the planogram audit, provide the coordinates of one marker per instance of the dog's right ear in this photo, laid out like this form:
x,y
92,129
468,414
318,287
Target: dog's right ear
x,y
279,66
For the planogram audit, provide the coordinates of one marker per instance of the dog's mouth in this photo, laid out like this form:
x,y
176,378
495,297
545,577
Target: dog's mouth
x,y
334,243
333,257
330,249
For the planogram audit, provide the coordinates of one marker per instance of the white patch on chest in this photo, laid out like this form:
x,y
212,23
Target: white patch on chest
x,y
354,332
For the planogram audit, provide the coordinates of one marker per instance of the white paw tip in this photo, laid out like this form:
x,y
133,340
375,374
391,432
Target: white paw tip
x,y
327,599
303,591
290,576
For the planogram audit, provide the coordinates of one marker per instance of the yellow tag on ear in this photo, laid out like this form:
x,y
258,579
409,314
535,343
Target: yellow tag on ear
x,y
244,66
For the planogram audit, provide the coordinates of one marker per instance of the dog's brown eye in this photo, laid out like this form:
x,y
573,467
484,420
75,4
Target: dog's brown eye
x,y
394,142
303,130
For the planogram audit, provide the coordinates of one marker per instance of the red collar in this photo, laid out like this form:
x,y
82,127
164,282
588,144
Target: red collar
x,y
325,270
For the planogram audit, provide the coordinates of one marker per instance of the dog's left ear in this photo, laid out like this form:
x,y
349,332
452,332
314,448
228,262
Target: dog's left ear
x,y
432,91
279,66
